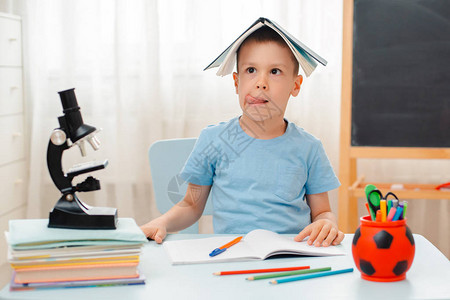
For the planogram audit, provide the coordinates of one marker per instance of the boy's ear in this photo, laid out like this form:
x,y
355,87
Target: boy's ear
x,y
236,81
297,84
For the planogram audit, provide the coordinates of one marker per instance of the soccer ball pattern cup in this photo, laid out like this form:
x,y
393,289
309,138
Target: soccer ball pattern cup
x,y
383,251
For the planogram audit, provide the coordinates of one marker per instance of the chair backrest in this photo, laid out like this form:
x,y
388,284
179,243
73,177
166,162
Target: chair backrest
x,y
167,158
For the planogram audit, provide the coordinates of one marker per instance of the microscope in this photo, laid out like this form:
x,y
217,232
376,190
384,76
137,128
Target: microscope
x,y
70,211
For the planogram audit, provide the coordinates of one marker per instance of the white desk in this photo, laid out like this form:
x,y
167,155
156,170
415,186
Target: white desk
x,y
428,278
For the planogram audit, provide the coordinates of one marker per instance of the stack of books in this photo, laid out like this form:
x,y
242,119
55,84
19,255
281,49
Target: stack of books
x,y
43,257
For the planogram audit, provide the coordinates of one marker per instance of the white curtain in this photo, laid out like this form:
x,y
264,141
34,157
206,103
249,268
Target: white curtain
x,y
137,69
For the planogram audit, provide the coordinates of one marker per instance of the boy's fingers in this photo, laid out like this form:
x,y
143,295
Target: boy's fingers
x,y
304,233
158,239
315,230
159,236
331,237
323,233
339,238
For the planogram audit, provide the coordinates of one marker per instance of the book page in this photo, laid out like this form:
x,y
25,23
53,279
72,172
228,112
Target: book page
x,y
197,251
230,58
266,243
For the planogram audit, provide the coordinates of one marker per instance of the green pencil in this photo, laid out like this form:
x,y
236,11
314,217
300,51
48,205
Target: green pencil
x,y
282,274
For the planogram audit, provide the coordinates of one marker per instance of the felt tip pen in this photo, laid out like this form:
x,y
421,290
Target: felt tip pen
x,y
398,213
405,206
223,248
395,203
383,210
389,205
391,213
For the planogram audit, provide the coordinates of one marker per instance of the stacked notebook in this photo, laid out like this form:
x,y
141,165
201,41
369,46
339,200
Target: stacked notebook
x,y
45,257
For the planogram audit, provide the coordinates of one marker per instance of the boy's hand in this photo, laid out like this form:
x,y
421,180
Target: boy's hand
x,y
154,231
321,232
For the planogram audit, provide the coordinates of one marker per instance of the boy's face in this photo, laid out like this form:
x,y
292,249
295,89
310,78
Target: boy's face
x,y
265,80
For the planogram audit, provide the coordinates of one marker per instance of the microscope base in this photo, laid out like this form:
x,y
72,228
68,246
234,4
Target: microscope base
x,y
64,215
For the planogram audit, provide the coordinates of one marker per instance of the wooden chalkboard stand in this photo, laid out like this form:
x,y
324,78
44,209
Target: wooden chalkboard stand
x,y
352,187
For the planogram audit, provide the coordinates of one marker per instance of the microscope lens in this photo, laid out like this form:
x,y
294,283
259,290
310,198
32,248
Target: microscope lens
x,y
95,143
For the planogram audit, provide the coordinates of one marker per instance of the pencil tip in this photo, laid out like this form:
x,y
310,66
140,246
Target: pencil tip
x,y
249,278
273,282
216,273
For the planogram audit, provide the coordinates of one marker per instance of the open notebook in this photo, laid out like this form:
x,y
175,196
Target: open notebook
x,y
258,244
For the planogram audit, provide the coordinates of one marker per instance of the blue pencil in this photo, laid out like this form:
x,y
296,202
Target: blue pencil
x,y
308,276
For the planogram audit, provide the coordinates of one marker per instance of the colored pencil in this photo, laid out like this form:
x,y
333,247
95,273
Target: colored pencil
x,y
260,270
308,276
282,274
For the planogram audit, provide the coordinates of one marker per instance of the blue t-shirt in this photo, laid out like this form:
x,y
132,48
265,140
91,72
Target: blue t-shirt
x,y
259,183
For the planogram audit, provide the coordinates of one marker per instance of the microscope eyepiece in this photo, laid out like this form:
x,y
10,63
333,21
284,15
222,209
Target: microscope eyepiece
x,y
72,121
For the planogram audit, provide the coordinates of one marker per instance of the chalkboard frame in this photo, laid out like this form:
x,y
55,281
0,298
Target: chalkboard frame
x,y
351,186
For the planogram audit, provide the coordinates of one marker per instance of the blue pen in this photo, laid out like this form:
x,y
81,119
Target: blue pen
x,y
398,213
308,276
223,248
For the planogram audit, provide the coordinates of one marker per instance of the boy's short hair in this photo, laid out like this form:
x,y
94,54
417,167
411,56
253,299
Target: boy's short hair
x,y
267,34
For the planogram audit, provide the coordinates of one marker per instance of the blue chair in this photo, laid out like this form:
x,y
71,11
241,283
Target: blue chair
x,y
167,158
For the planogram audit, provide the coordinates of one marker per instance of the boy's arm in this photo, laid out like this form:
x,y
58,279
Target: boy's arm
x,y
323,229
180,216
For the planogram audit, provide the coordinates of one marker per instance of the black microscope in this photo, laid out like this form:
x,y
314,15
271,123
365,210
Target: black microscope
x,y
70,211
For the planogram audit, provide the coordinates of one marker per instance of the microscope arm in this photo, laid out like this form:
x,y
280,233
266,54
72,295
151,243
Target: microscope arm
x,y
54,157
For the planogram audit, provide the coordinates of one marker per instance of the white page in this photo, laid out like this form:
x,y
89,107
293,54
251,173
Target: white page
x,y
256,245
265,243
197,250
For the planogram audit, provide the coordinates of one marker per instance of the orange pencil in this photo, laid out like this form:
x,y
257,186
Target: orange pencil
x,y
261,270
224,247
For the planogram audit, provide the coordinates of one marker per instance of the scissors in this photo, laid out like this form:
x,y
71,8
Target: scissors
x,y
373,198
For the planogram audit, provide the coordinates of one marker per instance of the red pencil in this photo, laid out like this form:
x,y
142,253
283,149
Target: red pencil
x,y
260,270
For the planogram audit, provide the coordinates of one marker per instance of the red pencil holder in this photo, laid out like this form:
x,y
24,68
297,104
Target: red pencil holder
x,y
383,251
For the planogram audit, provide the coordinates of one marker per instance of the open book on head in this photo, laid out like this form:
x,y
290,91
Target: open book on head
x,y
305,56
258,244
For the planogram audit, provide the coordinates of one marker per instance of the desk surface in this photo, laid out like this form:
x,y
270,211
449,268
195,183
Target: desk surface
x,y
428,278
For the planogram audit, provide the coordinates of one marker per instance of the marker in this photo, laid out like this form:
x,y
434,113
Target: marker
x,y
389,205
395,203
222,249
308,276
378,217
398,213
283,274
405,206
383,210
391,213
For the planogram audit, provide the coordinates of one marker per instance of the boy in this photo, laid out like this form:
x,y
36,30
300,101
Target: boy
x,y
259,167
